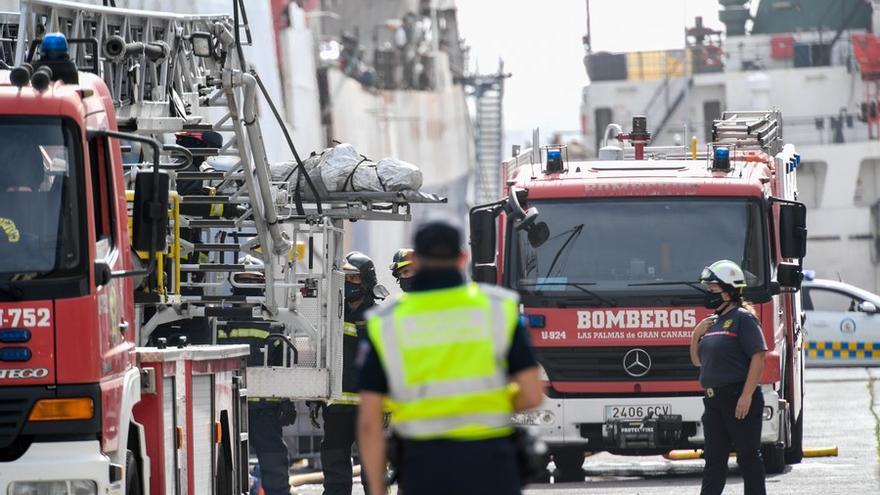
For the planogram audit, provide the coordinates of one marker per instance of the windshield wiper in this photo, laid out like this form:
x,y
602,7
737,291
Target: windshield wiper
x,y
581,286
575,233
694,285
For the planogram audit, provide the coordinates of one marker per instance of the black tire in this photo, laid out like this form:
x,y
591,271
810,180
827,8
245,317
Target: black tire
x,y
132,475
794,454
774,458
569,465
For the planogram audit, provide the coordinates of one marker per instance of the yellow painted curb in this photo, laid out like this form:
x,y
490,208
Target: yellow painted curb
x,y
316,477
821,452
684,455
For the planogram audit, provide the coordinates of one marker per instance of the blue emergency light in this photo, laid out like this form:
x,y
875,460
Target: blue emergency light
x,y
721,160
15,354
15,335
555,163
54,43
536,321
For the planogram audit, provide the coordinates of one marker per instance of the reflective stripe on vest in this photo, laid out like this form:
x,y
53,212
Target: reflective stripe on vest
x,y
445,356
350,329
347,398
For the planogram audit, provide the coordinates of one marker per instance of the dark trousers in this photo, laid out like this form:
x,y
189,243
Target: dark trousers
x,y
448,467
723,433
340,433
265,437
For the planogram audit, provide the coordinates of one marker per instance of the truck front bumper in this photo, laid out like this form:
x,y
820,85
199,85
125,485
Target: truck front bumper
x,y
573,422
76,465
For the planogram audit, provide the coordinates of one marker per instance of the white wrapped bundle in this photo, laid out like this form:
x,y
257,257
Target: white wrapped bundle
x,y
342,169
398,175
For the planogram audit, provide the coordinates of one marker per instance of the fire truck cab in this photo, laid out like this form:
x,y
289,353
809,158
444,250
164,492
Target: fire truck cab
x,y
84,410
606,256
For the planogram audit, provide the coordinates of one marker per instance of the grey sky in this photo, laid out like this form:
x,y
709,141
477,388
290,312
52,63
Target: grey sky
x,y
540,42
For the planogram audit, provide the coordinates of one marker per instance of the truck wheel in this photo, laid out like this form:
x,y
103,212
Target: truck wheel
x,y
774,458
795,452
132,477
569,465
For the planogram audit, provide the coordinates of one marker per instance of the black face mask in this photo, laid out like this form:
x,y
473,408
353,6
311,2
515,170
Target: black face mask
x,y
713,300
406,284
353,292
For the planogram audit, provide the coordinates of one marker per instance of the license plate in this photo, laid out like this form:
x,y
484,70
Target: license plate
x,y
636,411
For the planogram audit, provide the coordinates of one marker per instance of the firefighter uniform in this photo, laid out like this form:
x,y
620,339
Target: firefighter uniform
x,y
340,416
266,417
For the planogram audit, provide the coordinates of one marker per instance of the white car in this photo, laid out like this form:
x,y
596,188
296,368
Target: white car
x,y
842,325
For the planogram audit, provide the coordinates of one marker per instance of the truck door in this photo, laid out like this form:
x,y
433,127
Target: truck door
x,y
114,328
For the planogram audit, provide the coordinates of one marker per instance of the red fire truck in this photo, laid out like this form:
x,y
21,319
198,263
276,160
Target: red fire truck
x,y
606,254
82,409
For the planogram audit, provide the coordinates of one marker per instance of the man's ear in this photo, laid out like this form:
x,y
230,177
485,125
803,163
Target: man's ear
x,y
462,260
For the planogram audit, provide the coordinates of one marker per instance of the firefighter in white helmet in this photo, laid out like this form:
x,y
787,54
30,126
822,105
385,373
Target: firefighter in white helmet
x,y
729,349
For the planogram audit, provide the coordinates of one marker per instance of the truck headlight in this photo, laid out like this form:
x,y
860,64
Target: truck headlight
x,y
534,418
64,487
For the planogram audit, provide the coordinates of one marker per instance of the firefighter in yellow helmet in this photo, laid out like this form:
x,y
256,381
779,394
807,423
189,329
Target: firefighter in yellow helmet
x,y
402,268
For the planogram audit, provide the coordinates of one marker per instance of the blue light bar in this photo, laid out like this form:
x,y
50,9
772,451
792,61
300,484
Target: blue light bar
x,y
537,321
15,354
54,43
554,155
15,335
721,159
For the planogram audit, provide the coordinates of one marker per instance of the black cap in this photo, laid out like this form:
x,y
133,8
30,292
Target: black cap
x,y
438,240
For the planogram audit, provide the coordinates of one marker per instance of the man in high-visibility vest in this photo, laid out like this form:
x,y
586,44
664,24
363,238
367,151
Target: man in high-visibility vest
x,y
340,416
454,362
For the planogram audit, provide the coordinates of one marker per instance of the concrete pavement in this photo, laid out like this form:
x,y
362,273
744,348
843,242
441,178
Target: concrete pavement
x,y
842,409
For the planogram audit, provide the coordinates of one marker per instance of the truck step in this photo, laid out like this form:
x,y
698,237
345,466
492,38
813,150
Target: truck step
x,y
238,312
203,200
201,175
206,246
212,223
219,267
225,298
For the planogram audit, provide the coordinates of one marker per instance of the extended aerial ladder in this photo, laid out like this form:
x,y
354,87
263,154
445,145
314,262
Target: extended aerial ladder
x,y
169,73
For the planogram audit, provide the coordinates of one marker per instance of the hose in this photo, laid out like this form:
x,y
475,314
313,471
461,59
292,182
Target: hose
x,y
299,164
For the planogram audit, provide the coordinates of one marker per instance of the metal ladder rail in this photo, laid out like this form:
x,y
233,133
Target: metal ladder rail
x,y
152,79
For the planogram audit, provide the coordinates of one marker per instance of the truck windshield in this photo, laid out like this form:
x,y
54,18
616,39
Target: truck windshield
x,y
39,213
617,245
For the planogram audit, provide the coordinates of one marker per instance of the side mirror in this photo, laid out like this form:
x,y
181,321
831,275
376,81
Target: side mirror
x,y
483,235
150,217
103,273
486,274
789,275
868,307
528,219
793,230
538,234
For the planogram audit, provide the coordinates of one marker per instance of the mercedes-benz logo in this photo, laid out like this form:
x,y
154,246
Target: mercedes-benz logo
x,y
636,363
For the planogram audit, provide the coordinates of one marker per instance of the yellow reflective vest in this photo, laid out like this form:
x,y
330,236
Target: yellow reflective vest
x,y
444,353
